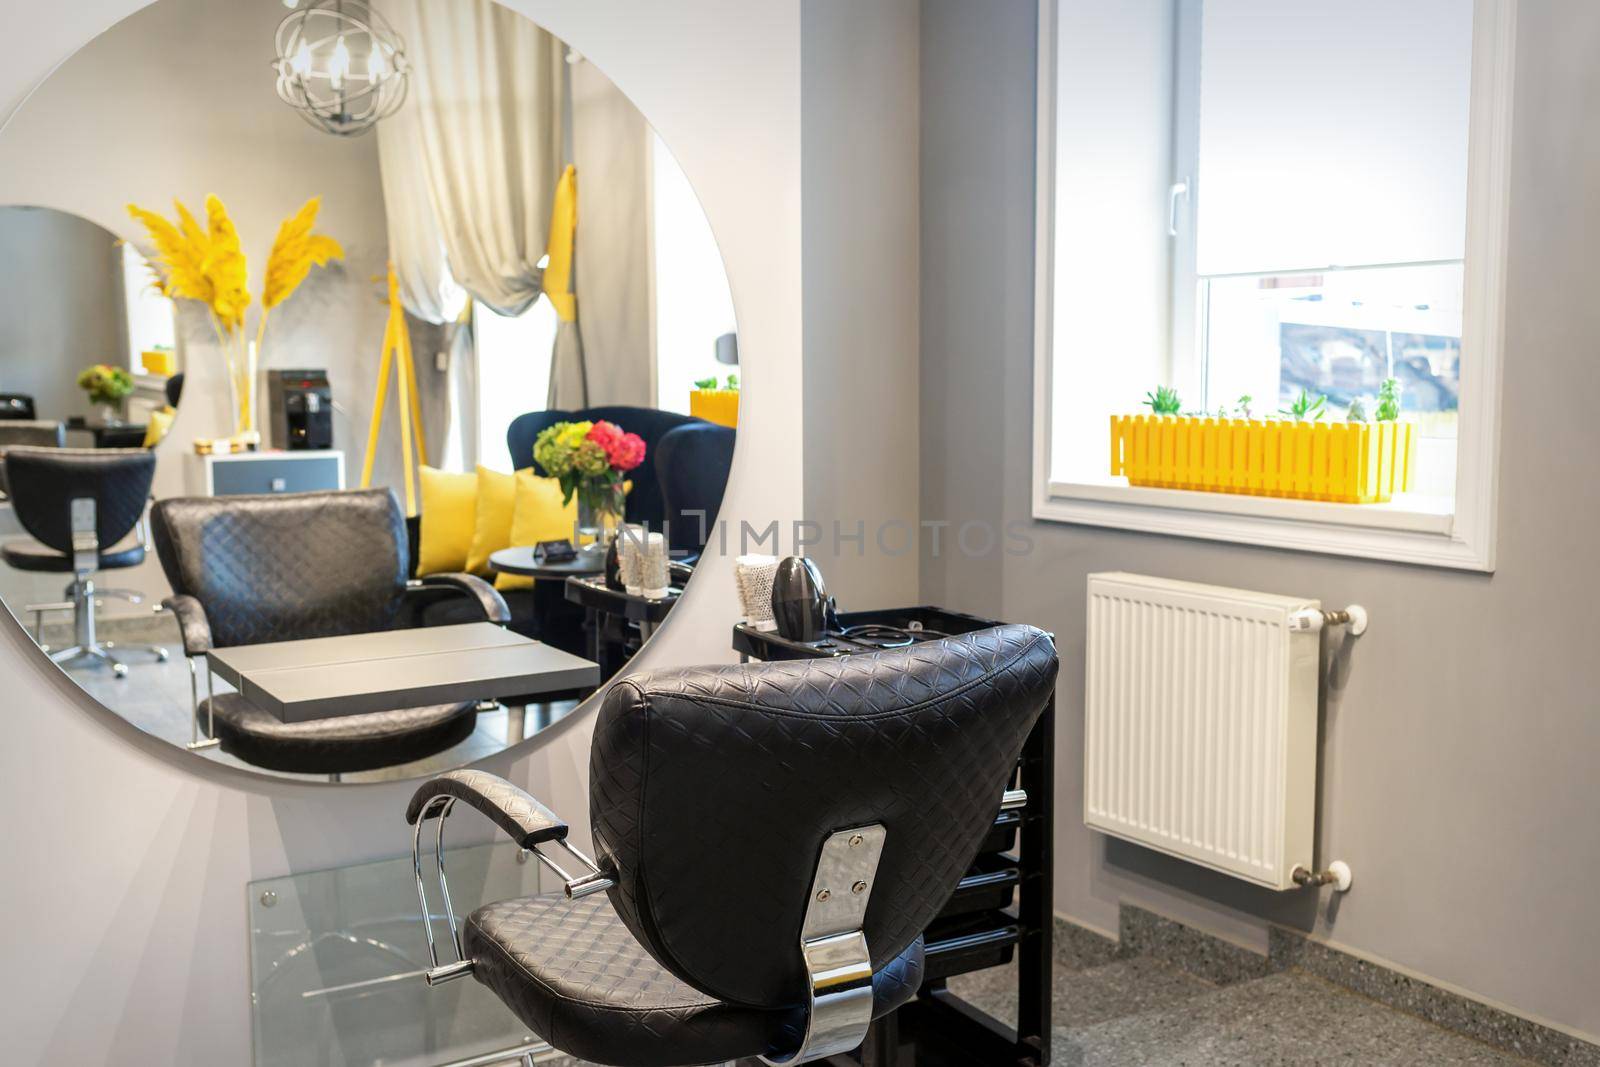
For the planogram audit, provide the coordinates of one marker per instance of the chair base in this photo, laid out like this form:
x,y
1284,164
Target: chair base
x,y
88,650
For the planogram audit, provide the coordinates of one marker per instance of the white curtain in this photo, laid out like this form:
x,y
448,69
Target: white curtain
x,y
611,148
481,136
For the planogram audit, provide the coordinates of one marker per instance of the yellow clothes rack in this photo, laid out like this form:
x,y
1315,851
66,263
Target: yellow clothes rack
x,y
397,354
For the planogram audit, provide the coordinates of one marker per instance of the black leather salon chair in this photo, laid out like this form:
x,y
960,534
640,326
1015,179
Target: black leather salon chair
x,y
28,433
692,464
771,839
255,569
79,504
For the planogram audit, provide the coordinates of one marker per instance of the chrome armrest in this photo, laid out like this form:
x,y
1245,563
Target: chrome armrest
x,y
527,821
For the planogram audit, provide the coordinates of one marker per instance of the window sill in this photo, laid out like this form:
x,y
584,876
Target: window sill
x,y
1417,530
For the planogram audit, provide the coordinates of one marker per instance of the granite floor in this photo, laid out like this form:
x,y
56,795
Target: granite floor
x,y
1144,1012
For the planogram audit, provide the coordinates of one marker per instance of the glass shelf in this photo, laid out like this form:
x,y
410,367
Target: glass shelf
x,y
336,964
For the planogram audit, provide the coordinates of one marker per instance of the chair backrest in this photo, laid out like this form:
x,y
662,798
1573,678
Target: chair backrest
x,y
644,501
286,566
33,433
43,483
17,406
712,790
692,464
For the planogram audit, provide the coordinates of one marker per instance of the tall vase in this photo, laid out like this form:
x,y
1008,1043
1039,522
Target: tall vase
x,y
599,516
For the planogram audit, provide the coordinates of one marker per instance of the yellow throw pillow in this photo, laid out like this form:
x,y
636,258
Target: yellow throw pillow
x,y
540,516
497,504
449,514
160,422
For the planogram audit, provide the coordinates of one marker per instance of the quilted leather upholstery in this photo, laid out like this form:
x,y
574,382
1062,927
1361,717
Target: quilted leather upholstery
x,y
713,788
192,623
527,821
283,567
340,744
32,556
43,482
574,974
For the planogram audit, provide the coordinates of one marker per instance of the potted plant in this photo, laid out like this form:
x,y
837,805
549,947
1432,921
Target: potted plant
x,y
589,459
1293,454
716,404
107,387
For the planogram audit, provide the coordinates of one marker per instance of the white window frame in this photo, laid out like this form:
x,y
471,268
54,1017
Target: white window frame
x,y
1463,540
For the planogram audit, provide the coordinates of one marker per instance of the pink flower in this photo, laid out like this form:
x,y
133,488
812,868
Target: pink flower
x,y
606,435
624,450
629,452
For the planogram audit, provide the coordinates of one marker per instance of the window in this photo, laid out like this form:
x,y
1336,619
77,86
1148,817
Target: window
x,y
691,301
1244,200
513,361
152,323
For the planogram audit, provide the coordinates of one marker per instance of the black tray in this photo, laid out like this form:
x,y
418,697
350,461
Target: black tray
x,y
971,943
1002,836
988,886
768,645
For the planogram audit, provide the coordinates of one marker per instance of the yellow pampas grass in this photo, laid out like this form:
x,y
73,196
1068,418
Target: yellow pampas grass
x,y
207,264
228,267
294,252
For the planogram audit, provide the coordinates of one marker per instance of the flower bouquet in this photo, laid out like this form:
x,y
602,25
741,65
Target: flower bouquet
x,y
589,460
106,385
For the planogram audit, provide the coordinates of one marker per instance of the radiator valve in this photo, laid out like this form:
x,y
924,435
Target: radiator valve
x,y
1354,617
1337,875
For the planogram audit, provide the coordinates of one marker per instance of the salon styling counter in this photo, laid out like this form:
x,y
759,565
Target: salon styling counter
x,y
998,912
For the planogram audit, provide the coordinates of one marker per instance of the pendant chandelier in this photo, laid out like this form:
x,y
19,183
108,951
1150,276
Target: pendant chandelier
x,y
340,65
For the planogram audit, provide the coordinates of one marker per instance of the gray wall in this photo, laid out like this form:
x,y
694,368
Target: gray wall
x,y
1458,775
61,306
859,180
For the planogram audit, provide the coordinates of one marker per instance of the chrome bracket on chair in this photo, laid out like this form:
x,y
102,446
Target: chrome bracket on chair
x,y
596,881
834,947
439,806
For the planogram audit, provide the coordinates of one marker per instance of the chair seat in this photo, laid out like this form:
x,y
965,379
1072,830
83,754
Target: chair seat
x,y
33,556
573,972
339,744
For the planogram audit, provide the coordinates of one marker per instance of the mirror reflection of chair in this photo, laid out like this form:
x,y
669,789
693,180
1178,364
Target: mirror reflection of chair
x,y
249,570
29,433
772,838
79,504
692,464
16,407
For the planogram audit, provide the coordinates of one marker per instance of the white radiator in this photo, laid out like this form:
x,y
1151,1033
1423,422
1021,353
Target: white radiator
x,y
1201,723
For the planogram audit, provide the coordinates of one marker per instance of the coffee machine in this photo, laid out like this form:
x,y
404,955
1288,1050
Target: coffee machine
x,y
299,410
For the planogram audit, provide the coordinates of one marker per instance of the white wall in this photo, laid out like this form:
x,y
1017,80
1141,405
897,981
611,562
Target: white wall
x,y
129,939
861,284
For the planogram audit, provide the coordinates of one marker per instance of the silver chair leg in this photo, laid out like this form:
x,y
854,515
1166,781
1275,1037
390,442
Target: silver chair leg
x,y
195,741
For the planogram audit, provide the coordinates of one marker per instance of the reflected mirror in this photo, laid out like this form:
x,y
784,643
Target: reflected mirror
x,y
459,369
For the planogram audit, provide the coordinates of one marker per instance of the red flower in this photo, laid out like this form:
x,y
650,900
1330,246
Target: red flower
x,y
624,450
629,452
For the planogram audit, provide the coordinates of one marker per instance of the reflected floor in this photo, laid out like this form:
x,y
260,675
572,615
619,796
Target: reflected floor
x,y
155,698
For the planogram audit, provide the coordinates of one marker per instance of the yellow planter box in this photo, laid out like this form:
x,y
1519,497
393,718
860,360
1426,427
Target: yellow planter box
x,y
720,406
1345,462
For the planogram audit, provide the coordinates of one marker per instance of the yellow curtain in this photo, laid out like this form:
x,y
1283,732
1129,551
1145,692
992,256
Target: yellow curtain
x,y
568,380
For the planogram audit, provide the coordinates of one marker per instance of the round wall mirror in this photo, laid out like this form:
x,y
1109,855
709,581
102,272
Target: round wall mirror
x,y
458,364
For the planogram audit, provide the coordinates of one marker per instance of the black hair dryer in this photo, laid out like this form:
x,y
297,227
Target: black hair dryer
x,y
800,603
